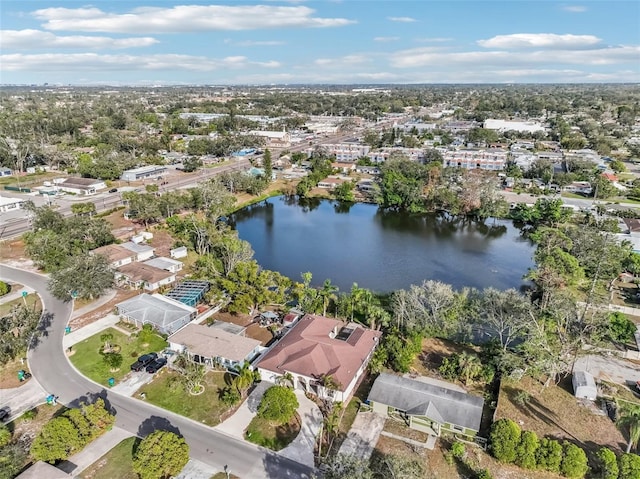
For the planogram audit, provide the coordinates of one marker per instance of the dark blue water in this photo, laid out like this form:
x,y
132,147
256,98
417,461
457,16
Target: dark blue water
x,y
381,250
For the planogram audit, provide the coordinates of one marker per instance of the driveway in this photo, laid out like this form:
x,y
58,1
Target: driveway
x,y
49,364
301,448
609,368
21,399
236,424
363,435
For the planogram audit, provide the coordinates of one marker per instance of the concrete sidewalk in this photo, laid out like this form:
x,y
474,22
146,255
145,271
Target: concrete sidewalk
x,y
15,294
89,330
301,448
21,399
196,470
238,422
94,451
102,300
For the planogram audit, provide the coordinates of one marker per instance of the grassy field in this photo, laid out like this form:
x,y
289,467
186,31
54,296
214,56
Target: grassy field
x,y
166,392
31,300
117,463
88,360
271,435
9,374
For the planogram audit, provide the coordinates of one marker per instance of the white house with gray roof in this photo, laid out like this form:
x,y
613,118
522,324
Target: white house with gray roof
x,y
167,264
164,314
427,405
143,252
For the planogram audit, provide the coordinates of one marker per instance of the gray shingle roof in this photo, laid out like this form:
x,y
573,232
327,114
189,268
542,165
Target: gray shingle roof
x,y
418,398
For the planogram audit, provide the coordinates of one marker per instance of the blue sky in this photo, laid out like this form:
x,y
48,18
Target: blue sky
x,y
350,41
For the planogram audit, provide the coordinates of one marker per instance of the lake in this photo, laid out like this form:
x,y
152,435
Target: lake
x,y
381,250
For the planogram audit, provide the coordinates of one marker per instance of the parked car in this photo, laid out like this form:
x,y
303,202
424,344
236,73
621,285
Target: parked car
x,y
156,365
143,361
113,190
4,414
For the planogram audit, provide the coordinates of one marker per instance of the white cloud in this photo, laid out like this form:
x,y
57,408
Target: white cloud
x,y
421,57
99,63
341,62
539,40
575,8
254,43
402,19
185,19
28,39
386,39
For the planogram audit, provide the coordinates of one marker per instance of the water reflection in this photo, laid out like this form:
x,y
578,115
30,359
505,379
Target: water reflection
x,y
381,250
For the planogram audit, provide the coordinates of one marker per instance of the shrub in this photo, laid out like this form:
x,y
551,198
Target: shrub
x,y
485,474
160,454
526,450
4,288
574,462
278,404
629,466
607,464
549,455
30,414
621,328
521,398
229,396
504,439
458,450
5,435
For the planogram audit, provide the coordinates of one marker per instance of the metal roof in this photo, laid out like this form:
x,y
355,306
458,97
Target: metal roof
x,y
418,398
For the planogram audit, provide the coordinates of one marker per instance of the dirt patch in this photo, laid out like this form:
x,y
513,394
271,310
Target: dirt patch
x,y
9,374
433,352
13,254
162,242
554,412
253,331
104,310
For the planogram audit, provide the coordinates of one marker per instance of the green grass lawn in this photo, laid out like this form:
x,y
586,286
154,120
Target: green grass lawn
x,y
273,436
87,359
31,299
117,463
166,392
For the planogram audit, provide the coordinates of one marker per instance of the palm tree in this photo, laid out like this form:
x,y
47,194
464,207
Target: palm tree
x,y
630,417
469,366
245,377
327,293
286,380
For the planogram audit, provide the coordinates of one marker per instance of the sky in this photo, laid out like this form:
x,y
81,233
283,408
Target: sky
x,y
162,42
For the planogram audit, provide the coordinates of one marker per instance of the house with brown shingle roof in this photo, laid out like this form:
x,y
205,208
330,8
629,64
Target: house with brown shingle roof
x,y
317,348
116,255
140,275
213,346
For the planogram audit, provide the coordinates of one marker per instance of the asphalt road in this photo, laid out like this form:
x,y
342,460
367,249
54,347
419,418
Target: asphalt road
x,y
49,365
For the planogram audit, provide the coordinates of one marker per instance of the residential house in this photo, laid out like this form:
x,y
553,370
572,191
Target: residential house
x,y
582,187
142,252
427,405
345,168
140,275
344,152
330,182
164,314
80,186
5,172
116,254
325,357
213,346
167,264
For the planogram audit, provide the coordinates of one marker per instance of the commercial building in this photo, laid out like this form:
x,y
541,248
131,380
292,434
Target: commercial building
x,y
521,126
491,159
143,172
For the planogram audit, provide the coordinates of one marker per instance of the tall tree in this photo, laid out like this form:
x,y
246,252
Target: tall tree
x,y
267,165
86,275
160,455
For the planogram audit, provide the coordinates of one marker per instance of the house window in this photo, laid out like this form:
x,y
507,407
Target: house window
x,y
457,428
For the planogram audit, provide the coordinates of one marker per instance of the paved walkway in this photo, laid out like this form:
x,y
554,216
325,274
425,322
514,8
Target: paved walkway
x,y
94,451
74,337
609,368
21,399
363,435
196,470
238,422
301,448
132,382
102,300
429,444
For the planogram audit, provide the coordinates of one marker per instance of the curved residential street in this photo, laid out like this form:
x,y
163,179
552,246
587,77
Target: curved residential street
x,y
50,366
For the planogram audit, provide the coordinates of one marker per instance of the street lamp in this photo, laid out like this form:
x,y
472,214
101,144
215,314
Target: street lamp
x,y
226,471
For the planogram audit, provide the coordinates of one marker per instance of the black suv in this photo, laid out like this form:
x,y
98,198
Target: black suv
x,y
143,361
156,365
